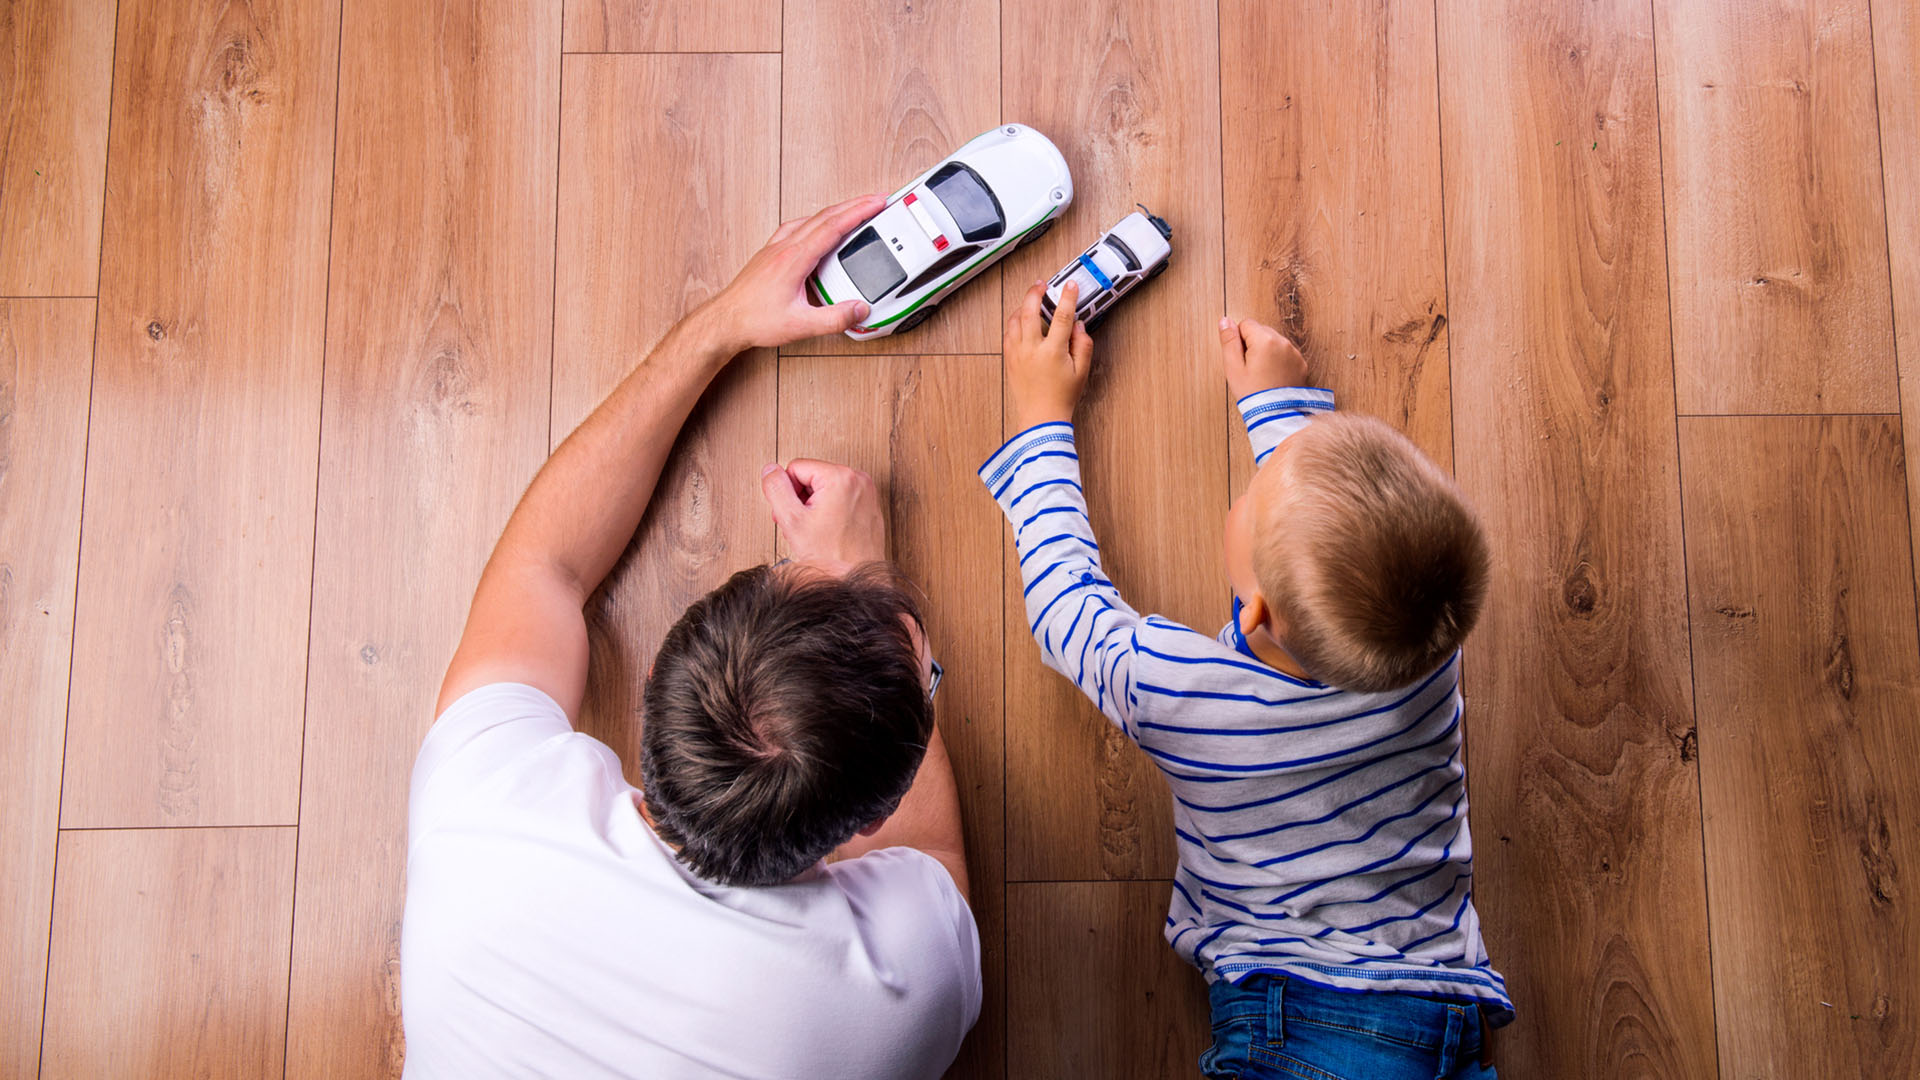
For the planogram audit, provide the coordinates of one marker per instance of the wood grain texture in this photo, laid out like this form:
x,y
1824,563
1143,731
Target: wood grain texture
x,y
1586,801
673,26
1331,143
436,417
875,91
191,636
56,72
1896,45
46,356
1776,238
169,954
1094,989
1133,116
1806,667
921,426
683,151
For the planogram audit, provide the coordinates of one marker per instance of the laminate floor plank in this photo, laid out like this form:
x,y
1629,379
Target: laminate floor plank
x,y
1896,45
46,357
684,151
169,954
921,426
640,26
191,632
1333,217
56,71
1800,587
1093,988
1586,798
874,92
1137,118
437,413
1776,234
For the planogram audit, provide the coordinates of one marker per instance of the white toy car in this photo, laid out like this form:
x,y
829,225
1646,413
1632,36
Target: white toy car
x,y
1134,251
1001,190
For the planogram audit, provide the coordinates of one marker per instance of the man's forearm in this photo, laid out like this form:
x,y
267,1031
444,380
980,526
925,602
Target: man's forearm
x,y
582,509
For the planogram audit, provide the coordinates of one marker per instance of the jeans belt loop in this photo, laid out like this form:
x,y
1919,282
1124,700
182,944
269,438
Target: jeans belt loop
x,y
1450,1045
1276,1010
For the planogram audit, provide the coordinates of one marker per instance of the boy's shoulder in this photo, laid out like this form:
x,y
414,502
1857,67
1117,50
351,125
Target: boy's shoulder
x,y
1189,684
1184,664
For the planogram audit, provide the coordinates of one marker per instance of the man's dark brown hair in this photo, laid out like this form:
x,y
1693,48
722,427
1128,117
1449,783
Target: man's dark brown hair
x,y
785,711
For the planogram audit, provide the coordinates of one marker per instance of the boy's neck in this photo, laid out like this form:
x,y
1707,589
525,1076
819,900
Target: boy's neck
x,y
1271,654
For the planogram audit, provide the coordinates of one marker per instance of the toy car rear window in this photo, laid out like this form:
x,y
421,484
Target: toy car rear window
x,y
872,267
969,200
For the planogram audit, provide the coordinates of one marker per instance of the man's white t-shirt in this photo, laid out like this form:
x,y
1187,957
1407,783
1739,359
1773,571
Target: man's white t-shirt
x,y
550,932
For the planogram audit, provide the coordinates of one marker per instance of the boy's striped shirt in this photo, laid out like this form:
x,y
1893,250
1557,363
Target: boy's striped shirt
x,y
1322,834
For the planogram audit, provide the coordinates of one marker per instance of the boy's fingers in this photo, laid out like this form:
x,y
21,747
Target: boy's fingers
x,y
1233,351
1064,311
1030,310
1082,348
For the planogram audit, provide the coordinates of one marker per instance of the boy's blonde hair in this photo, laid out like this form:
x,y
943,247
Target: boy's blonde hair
x,y
1367,553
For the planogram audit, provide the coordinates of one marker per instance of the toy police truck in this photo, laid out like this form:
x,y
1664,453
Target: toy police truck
x,y
1134,251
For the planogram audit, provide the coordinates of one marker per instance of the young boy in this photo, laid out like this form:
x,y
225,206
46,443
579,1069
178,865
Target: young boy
x,y
1313,748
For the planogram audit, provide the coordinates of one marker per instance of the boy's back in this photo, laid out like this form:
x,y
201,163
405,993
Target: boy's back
x,y
1322,833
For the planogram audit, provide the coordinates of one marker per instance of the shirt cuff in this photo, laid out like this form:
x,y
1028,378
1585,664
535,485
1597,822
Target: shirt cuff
x,y
1282,399
1053,437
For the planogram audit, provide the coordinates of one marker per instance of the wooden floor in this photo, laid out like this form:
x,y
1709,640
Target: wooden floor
x,y
295,295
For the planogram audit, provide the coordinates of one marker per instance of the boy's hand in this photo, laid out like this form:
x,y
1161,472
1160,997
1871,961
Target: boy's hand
x,y
1257,357
1047,364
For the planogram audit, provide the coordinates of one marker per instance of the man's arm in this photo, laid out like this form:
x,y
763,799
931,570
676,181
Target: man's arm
x,y
526,624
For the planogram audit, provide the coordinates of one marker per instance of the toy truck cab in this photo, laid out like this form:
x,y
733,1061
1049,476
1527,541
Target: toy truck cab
x,y
1134,251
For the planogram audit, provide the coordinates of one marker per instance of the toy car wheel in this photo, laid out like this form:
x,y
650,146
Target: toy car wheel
x,y
915,319
1155,272
1036,233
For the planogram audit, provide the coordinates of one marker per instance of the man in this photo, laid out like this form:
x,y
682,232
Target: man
x,y
786,896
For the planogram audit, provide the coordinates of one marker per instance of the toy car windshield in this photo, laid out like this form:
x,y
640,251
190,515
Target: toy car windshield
x,y
969,200
872,267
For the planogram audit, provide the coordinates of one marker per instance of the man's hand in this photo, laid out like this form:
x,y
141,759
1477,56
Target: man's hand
x,y
830,514
766,303
1047,364
1257,357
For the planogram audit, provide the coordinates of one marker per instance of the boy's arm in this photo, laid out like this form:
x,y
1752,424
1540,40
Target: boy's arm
x,y
1266,372
1085,630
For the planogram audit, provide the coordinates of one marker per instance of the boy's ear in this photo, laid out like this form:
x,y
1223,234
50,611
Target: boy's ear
x,y
1254,613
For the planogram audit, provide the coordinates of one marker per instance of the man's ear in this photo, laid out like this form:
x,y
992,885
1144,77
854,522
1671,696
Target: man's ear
x,y
872,827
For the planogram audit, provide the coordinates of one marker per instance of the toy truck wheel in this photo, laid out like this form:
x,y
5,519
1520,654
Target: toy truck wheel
x,y
1155,272
915,319
1036,233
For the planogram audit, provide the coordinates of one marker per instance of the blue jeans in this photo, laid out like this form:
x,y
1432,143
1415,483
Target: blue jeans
x,y
1270,1027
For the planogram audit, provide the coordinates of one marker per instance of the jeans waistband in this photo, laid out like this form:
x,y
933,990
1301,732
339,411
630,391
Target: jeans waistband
x,y
1408,1019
